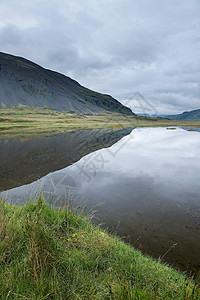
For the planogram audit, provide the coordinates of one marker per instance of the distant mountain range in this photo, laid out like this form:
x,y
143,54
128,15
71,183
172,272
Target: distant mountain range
x,y
193,115
26,83
187,115
151,115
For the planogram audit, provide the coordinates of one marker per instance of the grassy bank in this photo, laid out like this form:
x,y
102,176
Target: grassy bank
x,y
47,253
40,119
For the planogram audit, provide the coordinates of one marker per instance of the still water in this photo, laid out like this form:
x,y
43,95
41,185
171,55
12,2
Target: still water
x,y
144,187
27,156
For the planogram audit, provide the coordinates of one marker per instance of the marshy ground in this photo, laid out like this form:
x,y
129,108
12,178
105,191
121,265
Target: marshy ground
x,y
46,119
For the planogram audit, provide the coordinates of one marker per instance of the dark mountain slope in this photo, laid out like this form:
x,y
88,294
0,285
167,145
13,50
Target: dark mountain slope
x,y
193,115
24,82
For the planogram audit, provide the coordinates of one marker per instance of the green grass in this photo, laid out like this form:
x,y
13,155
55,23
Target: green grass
x,y
48,253
27,117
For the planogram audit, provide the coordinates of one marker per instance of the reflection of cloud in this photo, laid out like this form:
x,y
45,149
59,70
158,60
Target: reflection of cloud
x,y
62,186
166,161
116,47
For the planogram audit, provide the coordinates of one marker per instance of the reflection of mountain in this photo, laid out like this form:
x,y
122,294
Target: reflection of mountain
x,y
149,181
24,162
193,115
23,82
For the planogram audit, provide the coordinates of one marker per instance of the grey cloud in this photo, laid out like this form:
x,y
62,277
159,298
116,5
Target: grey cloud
x,y
10,36
66,56
116,47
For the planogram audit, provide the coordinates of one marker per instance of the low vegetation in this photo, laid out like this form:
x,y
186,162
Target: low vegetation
x,y
49,253
33,117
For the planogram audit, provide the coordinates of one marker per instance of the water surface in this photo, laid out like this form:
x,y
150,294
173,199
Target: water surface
x,y
145,188
24,159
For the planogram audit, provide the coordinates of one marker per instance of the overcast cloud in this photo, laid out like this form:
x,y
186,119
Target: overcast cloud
x,y
116,47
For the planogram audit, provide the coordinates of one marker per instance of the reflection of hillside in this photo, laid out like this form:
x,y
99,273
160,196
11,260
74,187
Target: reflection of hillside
x,y
22,162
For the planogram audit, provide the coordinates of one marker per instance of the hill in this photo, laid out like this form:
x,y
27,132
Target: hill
x,y
193,115
57,254
26,83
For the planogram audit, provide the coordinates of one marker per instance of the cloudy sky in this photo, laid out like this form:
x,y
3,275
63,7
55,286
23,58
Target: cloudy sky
x,y
118,47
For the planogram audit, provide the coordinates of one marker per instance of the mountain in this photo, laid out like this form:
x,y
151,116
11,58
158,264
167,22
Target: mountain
x,y
151,115
24,82
187,115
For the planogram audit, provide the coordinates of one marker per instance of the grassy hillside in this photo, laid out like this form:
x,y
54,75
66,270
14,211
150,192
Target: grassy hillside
x,y
48,253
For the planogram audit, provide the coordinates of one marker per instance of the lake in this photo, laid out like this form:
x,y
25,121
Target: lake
x,y
143,183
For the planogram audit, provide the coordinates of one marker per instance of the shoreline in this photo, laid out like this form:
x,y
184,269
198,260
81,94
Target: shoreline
x,y
57,253
27,117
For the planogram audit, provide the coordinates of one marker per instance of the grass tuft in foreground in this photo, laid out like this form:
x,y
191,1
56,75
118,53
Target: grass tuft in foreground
x,y
48,253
